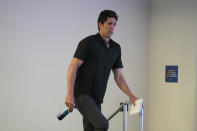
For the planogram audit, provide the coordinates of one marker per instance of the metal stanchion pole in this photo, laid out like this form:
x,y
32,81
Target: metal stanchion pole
x,y
141,119
125,107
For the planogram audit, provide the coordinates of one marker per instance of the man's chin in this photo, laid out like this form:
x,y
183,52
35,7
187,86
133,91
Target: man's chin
x,y
109,36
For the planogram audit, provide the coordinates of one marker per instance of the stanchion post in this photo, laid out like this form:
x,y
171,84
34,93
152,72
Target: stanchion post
x,y
141,119
125,108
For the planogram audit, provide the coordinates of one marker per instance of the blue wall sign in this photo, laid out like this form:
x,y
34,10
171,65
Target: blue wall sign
x,y
171,73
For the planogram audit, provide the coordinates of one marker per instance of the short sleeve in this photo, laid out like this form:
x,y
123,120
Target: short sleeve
x,y
118,61
81,51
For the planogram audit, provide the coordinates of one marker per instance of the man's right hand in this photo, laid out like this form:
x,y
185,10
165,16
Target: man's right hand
x,y
69,101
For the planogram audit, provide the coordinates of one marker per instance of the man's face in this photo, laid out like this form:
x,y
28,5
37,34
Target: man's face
x,y
107,28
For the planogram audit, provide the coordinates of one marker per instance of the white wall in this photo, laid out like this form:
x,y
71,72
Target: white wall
x,y
37,41
173,41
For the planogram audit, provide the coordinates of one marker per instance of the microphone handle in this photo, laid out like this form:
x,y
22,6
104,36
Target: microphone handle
x,y
63,113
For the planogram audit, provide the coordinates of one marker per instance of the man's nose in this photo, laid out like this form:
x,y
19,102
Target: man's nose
x,y
112,27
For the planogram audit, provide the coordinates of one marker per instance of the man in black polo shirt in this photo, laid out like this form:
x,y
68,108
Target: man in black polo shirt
x,y
88,73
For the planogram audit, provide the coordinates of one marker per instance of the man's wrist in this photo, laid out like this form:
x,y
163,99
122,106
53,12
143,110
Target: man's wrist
x,y
133,97
70,93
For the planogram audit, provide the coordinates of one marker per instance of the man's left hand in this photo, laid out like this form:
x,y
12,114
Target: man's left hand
x,y
133,99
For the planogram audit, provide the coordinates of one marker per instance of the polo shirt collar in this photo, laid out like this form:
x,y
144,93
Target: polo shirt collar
x,y
98,36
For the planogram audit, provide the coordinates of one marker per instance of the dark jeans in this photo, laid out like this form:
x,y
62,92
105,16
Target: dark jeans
x,y
93,119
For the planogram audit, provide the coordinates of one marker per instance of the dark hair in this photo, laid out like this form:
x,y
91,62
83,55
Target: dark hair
x,y
106,14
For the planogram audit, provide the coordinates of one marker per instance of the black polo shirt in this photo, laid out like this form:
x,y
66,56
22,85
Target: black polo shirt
x,y
93,74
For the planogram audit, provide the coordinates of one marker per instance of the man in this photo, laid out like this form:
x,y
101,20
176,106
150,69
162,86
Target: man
x,y
88,73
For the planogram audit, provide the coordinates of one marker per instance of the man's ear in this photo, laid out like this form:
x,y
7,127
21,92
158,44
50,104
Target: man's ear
x,y
100,25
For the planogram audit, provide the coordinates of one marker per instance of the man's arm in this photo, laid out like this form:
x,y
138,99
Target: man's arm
x,y
71,76
120,81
